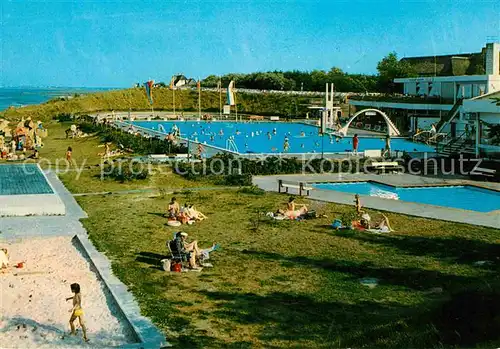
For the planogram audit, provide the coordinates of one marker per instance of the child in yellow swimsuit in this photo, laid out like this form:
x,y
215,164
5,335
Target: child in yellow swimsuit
x,y
77,311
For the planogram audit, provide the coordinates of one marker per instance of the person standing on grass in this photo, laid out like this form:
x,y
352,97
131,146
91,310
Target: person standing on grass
x,y
357,203
69,155
355,143
77,311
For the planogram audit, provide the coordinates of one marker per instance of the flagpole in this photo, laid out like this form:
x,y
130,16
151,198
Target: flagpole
x,y
173,98
199,98
220,98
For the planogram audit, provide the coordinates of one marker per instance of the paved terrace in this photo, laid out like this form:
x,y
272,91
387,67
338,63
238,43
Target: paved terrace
x,y
12,228
489,219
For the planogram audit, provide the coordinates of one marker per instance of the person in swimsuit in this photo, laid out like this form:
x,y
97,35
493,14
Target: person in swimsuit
x,y
291,211
69,154
357,204
173,209
77,311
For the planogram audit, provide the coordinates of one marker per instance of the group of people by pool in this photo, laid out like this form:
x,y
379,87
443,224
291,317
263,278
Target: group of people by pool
x,y
294,211
364,221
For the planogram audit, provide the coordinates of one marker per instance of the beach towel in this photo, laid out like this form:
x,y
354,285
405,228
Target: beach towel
x,y
379,231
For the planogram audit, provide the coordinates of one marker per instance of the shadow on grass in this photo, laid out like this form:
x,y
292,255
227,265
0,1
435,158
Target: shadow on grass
x,y
302,321
452,250
159,214
153,259
465,315
413,278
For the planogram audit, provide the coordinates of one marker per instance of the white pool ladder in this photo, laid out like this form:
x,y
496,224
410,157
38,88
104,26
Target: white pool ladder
x,y
231,145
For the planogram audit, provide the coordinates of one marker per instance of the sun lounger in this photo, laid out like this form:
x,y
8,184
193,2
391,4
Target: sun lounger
x,y
483,173
300,186
383,167
374,153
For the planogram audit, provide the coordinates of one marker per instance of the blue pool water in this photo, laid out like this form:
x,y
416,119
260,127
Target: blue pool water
x,y
23,179
251,137
463,197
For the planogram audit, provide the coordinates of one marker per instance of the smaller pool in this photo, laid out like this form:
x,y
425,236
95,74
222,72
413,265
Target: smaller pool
x,y
23,179
462,197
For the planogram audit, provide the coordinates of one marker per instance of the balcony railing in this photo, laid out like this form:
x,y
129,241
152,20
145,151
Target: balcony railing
x,y
403,99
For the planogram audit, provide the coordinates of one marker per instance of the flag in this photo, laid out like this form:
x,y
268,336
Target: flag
x,y
149,90
219,84
198,85
230,93
171,86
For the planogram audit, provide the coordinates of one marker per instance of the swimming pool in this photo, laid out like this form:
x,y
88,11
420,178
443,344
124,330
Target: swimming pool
x,y
269,137
462,197
23,179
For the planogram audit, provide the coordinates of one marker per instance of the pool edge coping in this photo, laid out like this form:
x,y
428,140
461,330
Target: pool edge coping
x,y
427,185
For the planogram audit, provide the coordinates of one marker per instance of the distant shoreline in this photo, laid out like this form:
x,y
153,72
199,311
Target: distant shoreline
x,y
22,96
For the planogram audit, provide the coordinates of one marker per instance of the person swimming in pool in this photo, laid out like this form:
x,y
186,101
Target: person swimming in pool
x,y
302,134
286,145
221,133
269,135
274,131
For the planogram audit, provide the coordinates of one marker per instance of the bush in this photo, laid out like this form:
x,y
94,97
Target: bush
x,y
237,179
125,171
252,190
64,117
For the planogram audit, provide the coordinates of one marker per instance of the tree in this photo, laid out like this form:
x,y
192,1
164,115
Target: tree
x,y
390,68
210,81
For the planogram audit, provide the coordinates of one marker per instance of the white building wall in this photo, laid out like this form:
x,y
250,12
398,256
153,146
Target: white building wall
x,y
493,83
492,59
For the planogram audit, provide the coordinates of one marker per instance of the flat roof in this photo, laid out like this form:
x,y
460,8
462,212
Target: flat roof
x,y
445,78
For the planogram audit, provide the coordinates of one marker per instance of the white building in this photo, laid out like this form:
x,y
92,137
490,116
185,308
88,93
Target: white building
x,y
451,101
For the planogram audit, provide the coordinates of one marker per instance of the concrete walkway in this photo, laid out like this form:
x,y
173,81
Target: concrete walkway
x,y
13,228
490,219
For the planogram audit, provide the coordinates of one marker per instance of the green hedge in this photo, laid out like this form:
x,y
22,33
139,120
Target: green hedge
x,y
125,171
237,170
138,144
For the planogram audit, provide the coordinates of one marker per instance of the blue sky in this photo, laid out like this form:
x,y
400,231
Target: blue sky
x,y
114,44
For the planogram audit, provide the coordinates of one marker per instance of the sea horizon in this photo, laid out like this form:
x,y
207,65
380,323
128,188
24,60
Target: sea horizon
x,y
19,96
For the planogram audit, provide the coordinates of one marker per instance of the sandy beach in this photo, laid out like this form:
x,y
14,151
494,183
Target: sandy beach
x,y
33,310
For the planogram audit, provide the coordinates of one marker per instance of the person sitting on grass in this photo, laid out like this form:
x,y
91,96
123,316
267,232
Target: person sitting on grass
x,y
383,225
194,214
291,211
190,250
183,216
173,209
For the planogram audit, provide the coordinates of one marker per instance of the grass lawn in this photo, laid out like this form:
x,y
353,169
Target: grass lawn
x,y
292,284
297,284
